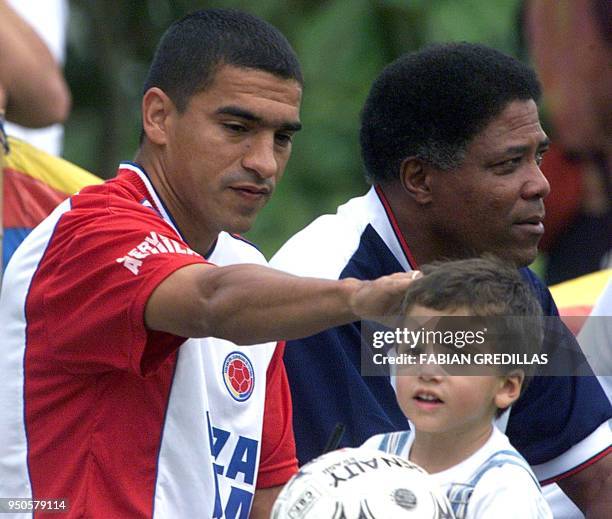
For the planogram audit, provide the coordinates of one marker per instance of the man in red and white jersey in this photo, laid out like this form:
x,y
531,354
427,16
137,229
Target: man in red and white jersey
x,y
141,374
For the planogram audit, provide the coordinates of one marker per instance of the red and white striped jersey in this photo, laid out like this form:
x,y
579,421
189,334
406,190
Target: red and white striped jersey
x,y
119,420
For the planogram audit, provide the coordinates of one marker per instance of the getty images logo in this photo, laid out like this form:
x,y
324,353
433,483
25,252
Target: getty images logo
x,y
153,244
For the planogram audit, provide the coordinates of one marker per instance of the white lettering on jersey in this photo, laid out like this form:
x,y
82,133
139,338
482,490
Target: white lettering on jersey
x,y
152,244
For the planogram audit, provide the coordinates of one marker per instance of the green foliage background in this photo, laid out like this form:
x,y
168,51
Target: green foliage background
x,y
342,44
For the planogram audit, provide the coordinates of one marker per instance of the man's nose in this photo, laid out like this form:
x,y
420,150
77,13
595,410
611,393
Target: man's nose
x,y
536,185
260,156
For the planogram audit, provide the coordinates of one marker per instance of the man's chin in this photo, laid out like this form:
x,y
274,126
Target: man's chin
x,y
523,258
519,257
241,226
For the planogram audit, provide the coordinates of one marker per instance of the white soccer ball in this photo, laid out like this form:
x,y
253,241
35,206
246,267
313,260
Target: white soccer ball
x,y
361,484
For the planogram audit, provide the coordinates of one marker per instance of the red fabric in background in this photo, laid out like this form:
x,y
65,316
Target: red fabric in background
x,y
27,200
563,202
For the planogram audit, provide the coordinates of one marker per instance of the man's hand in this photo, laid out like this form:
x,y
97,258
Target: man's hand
x,y
251,304
382,297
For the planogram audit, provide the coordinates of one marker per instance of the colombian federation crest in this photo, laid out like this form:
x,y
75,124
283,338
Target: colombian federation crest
x,y
239,376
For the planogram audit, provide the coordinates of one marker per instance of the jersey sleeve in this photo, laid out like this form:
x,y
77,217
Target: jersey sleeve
x,y
507,492
557,413
278,459
94,282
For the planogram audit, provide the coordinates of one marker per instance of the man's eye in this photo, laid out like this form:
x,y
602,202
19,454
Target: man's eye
x,y
513,162
235,127
283,139
509,165
539,157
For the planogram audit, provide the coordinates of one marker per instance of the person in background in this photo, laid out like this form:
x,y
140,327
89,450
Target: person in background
x,y
141,371
451,408
452,143
33,90
570,44
33,95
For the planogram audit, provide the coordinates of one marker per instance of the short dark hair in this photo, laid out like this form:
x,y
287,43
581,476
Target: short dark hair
x,y
485,287
432,103
193,47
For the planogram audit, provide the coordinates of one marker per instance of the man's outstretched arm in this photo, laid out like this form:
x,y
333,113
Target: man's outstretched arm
x,y
251,304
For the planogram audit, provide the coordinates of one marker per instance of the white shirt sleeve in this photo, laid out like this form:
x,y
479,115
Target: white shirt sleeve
x,y
507,492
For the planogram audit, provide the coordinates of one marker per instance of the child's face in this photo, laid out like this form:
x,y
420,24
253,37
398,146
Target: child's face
x,y
438,403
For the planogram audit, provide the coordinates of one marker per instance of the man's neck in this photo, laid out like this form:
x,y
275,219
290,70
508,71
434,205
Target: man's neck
x,y
412,224
196,235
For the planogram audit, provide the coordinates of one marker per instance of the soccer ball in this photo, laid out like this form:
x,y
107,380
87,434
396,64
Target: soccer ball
x,y
361,484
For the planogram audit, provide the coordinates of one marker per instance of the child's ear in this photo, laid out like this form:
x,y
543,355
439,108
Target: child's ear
x,y
509,389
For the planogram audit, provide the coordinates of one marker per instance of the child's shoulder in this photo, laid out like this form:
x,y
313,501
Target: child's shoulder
x,y
397,442
504,485
504,461
499,456
508,490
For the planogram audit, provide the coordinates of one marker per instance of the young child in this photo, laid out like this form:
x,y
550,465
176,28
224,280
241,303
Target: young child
x,y
452,433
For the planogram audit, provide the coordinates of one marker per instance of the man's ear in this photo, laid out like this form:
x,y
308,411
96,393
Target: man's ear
x,y
156,107
509,389
416,180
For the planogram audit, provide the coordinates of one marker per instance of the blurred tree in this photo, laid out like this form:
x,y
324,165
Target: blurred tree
x,y
342,44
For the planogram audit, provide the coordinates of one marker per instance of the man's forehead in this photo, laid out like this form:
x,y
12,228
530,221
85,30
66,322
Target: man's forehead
x,y
255,95
244,80
516,116
517,125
